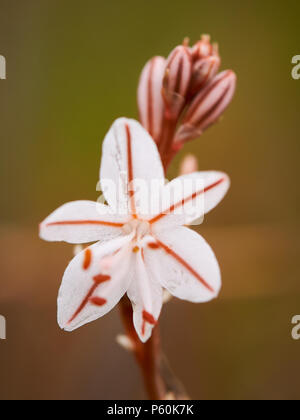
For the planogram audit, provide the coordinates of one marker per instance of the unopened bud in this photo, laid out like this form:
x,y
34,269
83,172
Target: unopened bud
x,y
204,70
150,100
207,106
170,396
77,249
166,296
177,80
203,48
188,165
206,63
125,342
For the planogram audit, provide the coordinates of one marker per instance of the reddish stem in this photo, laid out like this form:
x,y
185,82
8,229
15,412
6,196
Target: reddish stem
x,y
165,147
148,355
171,155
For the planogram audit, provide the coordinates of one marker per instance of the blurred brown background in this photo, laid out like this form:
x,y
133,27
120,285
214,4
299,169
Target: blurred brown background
x,y
72,68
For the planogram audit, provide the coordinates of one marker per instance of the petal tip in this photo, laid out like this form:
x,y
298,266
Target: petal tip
x,y
66,326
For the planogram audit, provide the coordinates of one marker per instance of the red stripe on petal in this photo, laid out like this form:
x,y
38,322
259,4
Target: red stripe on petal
x,y
98,301
185,264
210,187
185,201
84,302
130,171
87,258
98,280
85,222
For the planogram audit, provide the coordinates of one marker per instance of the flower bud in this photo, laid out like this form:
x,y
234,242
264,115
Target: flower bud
x,y
203,71
150,100
177,80
188,165
207,106
125,342
204,48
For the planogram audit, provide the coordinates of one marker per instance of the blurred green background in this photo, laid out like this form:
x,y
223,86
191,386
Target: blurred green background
x,y
72,68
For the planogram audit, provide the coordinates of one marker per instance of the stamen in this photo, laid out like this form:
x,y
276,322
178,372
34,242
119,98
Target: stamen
x,y
135,249
149,318
153,245
98,301
87,259
101,278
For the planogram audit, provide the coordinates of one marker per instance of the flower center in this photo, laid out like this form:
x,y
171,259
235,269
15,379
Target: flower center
x,y
140,228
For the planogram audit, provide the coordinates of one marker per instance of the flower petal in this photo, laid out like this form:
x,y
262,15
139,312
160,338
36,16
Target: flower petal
x,y
146,295
81,222
130,162
93,283
188,197
188,267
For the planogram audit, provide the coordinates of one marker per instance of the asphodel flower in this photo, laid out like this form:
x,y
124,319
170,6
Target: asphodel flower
x,y
136,252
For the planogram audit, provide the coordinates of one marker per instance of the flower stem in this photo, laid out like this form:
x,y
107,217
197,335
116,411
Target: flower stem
x,y
165,148
160,382
148,355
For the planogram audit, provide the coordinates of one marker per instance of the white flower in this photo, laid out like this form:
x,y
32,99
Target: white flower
x,y
138,254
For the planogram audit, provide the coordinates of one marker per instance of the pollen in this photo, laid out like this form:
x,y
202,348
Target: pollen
x,y
136,249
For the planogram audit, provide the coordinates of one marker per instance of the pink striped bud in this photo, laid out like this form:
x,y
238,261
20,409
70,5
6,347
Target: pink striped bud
x,y
177,80
203,71
150,100
207,106
204,48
